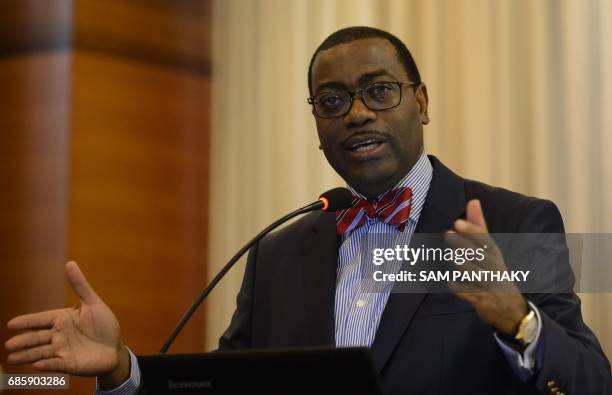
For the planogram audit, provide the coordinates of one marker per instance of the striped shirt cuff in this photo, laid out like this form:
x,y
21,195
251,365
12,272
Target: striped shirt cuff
x,y
523,365
129,386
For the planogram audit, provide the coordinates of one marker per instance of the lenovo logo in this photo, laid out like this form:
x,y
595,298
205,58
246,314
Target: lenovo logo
x,y
180,385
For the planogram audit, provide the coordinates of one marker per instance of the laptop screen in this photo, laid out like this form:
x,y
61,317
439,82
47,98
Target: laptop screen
x,y
280,371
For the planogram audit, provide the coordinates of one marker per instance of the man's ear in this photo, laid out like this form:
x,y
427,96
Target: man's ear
x,y
423,102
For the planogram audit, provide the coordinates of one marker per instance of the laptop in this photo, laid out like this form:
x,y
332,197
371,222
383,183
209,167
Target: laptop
x,y
273,371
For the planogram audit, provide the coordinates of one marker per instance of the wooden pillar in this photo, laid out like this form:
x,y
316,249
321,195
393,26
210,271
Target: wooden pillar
x,y
34,147
104,160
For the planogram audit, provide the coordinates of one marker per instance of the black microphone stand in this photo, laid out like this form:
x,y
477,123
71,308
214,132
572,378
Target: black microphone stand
x,y
306,209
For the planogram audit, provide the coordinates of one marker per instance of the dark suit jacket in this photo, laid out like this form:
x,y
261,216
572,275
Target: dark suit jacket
x,y
425,343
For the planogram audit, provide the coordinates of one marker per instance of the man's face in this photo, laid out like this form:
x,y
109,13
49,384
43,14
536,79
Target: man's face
x,y
371,150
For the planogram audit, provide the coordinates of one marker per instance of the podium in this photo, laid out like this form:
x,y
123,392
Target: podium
x,y
271,372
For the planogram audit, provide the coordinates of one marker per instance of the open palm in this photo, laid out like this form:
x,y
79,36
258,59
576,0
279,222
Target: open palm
x,y
83,341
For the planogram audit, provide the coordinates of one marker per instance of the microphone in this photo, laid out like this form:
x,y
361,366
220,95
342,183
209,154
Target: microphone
x,y
333,200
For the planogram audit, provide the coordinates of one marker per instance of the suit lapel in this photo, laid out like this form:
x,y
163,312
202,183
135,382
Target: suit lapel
x,y
444,203
317,263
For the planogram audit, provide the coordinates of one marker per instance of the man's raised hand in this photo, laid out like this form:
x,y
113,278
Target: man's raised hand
x,y
83,341
498,303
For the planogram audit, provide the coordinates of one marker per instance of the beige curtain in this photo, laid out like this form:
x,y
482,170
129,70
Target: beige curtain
x,y
520,98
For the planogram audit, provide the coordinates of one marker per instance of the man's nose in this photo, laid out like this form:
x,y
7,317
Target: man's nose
x,y
359,114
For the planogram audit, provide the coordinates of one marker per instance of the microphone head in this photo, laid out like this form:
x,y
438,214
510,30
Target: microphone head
x,y
336,199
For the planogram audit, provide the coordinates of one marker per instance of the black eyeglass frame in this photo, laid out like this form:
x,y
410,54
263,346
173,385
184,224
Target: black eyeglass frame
x,y
359,92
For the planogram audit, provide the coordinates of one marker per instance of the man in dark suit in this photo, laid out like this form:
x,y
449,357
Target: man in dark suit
x,y
301,287
425,343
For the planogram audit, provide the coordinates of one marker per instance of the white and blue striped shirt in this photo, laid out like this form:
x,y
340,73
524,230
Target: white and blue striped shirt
x,y
358,308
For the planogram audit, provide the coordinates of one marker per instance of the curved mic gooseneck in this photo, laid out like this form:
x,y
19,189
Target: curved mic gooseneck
x,y
333,200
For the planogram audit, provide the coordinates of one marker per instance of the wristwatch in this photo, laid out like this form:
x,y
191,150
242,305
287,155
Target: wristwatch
x,y
527,329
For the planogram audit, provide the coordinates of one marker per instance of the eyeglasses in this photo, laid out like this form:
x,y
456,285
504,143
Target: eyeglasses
x,y
380,95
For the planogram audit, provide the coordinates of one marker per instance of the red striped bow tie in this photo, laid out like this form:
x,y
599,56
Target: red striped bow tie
x,y
393,208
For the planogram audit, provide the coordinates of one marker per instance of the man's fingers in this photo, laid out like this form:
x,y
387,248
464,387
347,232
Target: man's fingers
x,y
54,364
475,215
31,355
478,236
29,340
36,320
462,291
461,240
474,226
79,284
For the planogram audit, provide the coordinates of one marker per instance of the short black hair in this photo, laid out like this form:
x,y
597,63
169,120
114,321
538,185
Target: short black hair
x,y
353,33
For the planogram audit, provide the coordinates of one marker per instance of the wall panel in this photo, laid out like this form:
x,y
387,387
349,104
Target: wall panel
x,y
138,193
104,160
33,182
34,140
